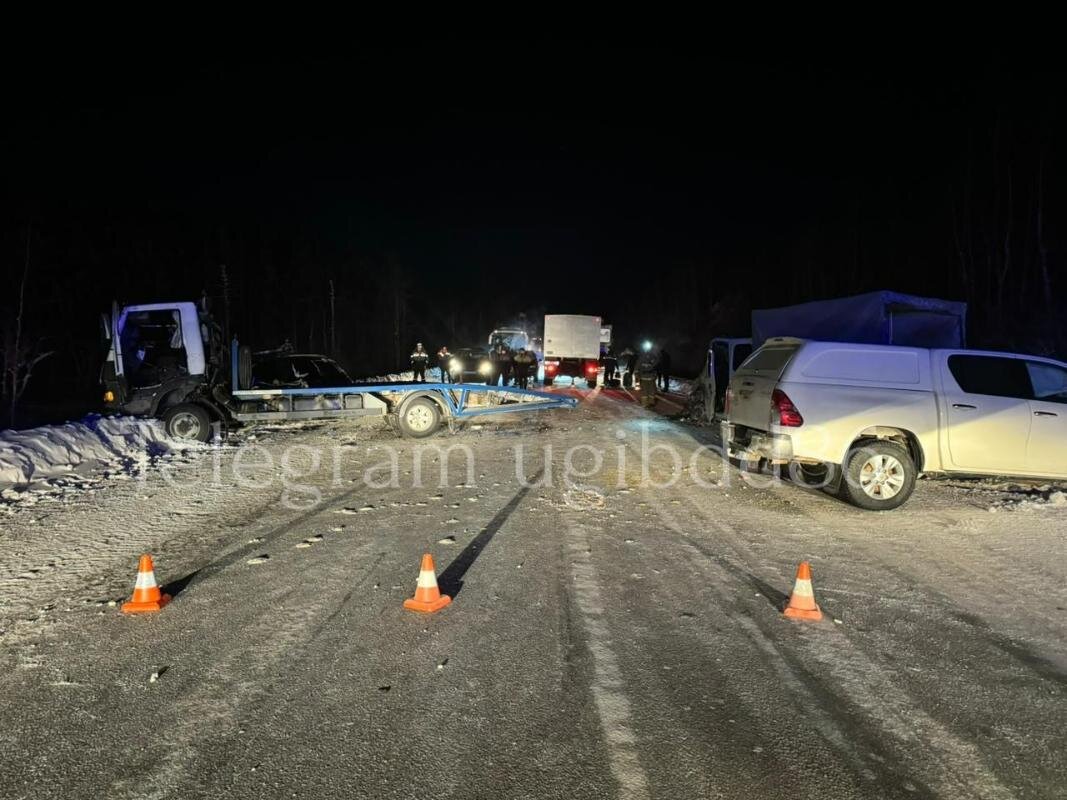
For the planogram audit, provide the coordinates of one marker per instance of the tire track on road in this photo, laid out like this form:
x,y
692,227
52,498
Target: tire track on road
x,y
958,768
961,771
609,694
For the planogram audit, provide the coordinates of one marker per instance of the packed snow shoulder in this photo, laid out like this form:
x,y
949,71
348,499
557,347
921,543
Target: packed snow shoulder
x,y
37,455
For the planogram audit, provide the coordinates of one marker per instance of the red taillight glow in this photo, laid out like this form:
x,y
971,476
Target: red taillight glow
x,y
592,369
551,367
788,415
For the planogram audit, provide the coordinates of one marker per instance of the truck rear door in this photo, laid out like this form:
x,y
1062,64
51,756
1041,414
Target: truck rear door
x,y
751,386
572,336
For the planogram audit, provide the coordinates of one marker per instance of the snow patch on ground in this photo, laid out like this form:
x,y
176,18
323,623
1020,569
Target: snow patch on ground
x,y
1041,498
33,458
681,386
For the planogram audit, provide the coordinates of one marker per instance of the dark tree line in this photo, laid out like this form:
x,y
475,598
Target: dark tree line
x,y
986,226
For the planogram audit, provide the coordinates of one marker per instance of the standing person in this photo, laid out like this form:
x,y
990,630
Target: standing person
x,y
444,359
509,365
610,364
501,360
663,370
629,360
419,359
522,368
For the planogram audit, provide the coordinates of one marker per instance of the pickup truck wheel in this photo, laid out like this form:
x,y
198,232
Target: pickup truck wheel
x,y
187,421
419,418
879,476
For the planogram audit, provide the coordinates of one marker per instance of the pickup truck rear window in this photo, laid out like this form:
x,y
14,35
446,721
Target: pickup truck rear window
x,y
769,360
991,375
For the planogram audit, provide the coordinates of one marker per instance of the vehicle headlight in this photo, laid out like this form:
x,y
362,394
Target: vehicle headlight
x,y
454,365
485,368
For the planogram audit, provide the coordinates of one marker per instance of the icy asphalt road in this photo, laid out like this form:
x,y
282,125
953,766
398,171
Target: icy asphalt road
x,y
606,640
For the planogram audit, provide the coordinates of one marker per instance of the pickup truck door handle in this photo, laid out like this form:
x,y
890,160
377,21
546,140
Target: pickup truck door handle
x,y
964,405
1045,414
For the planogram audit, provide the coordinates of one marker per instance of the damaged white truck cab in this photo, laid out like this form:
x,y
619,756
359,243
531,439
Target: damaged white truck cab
x,y
877,416
164,360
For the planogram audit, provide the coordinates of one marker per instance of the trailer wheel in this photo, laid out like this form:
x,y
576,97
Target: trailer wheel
x,y
187,421
419,418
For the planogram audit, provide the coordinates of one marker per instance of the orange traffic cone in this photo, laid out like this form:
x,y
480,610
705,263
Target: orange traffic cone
x,y
802,603
146,594
427,596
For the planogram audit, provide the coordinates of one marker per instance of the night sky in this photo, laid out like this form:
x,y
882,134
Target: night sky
x,y
664,189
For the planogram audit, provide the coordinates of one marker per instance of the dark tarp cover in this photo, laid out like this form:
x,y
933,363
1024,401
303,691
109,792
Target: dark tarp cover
x,y
873,318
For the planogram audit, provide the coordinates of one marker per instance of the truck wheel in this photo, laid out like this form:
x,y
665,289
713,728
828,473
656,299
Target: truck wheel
x,y
879,476
187,421
591,383
244,367
547,381
419,418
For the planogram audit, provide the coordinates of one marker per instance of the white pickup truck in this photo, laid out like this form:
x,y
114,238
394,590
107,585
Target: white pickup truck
x,y
872,417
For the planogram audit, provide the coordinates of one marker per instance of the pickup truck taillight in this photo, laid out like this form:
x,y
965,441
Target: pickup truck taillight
x,y
788,415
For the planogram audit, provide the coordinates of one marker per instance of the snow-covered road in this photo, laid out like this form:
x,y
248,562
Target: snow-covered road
x,y
614,630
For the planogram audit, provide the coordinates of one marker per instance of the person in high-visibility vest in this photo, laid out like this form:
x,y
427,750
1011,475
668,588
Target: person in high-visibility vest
x,y
444,362
524,361
419,359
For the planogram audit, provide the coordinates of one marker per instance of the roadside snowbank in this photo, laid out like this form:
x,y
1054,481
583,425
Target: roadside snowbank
x,y
40,454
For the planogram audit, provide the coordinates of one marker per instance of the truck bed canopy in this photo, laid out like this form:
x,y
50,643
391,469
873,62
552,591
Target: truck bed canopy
x,y
874,318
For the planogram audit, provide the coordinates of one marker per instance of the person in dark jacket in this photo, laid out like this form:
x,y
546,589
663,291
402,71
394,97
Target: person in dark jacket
x,y
663,370
509,366
444,360
419,359
610,364
501,361
628,362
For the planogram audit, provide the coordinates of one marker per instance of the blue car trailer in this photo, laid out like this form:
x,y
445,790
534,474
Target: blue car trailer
x,y
419,408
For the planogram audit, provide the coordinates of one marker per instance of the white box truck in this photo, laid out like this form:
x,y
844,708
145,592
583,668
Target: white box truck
x,y
572,347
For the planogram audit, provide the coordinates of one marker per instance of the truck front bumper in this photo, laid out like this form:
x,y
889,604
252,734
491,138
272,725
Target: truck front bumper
x,y
750,445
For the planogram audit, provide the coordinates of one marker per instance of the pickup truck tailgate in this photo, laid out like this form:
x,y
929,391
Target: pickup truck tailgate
x,y
752,385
